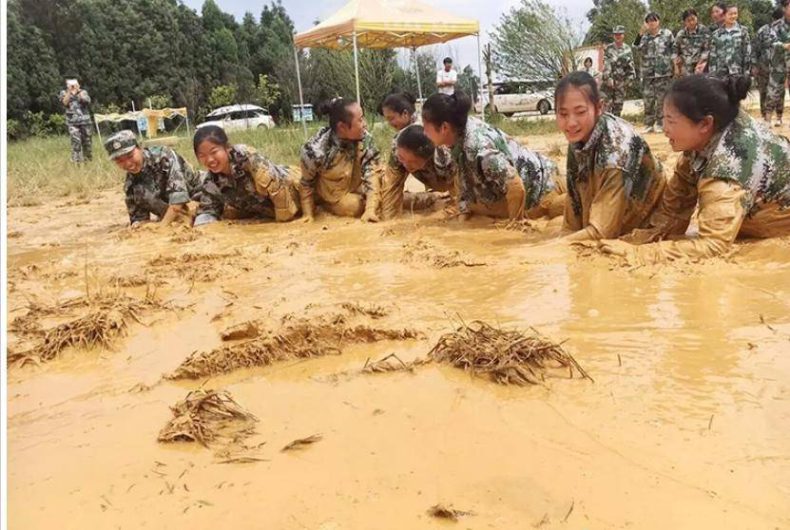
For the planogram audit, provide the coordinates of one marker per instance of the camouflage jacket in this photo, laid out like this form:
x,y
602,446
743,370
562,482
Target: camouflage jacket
x,y
486,158
164,179
238,190
325,150
657,51
613,144
692,48
77,109
618,64
763,48
748,153
442,168
781,59
730,52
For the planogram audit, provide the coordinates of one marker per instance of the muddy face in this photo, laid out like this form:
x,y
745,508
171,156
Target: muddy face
x,y
214,157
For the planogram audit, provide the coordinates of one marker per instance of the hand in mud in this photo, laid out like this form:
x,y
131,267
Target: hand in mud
x,y
641,236
369,217
143,225
307,219
463,217
615,247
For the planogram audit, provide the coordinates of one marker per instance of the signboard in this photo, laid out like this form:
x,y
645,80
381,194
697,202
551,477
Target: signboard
x,y
300,112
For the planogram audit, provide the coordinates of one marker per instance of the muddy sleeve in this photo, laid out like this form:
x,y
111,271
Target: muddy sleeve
x,y
310,171
721,214
138,211
371,159
211,203
608,207
677,204
177,187
572,222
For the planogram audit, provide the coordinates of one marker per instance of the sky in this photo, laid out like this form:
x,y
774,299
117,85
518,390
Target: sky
x,y
463,51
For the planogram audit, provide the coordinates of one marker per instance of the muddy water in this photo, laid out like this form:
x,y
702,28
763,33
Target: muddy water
x,y
685,426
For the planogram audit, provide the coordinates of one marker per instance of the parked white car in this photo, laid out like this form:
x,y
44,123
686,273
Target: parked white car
x,y
239,118
512,97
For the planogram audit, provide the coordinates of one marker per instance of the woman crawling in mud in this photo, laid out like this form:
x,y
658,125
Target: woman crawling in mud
x,y
240,182
158,180
412,152
614,182
338,165
496,176
733,170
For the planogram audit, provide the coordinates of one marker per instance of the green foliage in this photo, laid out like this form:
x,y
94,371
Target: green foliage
x,y
532,41
267,93
610,13
14,129
159,101
222,96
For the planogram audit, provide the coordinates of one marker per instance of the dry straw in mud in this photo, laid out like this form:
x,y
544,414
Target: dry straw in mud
x,y
507,357
205,416
297,339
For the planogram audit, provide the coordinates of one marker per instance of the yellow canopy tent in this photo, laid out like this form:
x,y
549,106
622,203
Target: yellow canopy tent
x,y
150,116
385,24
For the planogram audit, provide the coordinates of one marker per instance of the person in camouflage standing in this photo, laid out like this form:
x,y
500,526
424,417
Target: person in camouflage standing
x,y
618,71
716,16
733,175
780,63
762,55
78,120
158,180
656,45
691,45
730,48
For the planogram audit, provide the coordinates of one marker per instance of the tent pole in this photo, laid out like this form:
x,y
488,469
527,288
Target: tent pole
x,y
301,96
480,71
356,65
417,69
97,130
186,117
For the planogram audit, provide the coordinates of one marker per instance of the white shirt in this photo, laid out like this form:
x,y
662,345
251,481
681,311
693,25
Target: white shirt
x,y
442,77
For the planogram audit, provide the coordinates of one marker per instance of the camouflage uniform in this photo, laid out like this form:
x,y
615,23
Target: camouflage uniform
x,y
618,72
499,177
256,187
762,52
78,122
342,174
438,175
780,66
692,48
739,185
657,52
730,52
613,181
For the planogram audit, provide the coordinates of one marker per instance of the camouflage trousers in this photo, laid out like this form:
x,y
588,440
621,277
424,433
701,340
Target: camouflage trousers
x,y
761,80
80,136
775,92
653,92
613,97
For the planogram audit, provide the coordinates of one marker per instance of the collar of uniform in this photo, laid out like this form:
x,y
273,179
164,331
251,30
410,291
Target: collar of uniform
x,y
699,159
339,143
595,137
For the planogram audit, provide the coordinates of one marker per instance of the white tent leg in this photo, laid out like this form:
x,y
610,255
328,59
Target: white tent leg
x,y
301,96
186,117
417,70
98,132
480,71
356,66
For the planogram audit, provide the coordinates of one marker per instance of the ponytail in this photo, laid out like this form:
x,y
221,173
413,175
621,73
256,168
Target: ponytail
x,y
441,108
698,96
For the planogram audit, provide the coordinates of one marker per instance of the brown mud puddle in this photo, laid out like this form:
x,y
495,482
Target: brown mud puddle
x,y
685,425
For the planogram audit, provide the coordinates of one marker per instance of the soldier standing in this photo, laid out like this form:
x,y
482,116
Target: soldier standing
x,y
691,45
762,54
716,16
730,48
780,63
656,45
158,180
618,71
78,120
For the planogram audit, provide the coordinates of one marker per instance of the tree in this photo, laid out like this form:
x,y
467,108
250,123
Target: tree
x,y
610,13
266,93
376,76
533,41
222,96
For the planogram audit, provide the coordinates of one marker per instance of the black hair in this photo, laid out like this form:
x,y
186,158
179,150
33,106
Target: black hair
x,y
729,5
441,108
400,102
211,133
687,13
697,96
720,5
778,12
338,110
447,60
581,80
588,59
414,139
784,3
652,16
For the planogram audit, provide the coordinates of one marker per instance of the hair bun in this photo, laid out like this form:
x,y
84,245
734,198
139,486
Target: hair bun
x,y
737,88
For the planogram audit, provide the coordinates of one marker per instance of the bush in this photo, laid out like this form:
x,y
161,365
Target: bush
x,y
14,130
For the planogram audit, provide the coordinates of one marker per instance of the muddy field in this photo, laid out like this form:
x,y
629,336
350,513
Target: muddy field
x,y
263,339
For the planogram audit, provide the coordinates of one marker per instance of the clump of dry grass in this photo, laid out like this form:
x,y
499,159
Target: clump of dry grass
x,y
301,338
302,443
423,252
205,416
391,363
518,225
197,266
505,357
104,317
371,310
440,511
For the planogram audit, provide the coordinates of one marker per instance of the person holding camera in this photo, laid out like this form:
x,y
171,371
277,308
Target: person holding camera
x,y
78,120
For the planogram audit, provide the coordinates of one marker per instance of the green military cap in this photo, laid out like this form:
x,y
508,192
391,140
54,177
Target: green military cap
x,y
120,143
618,29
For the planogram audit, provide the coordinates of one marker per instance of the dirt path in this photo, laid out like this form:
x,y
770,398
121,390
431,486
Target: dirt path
x,y
685,426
